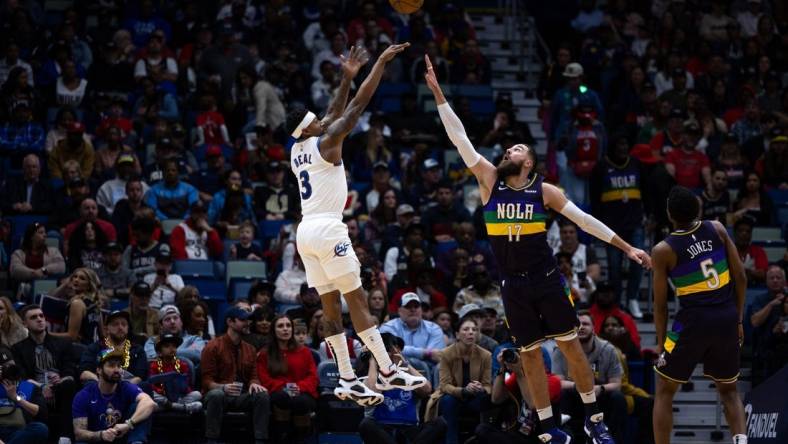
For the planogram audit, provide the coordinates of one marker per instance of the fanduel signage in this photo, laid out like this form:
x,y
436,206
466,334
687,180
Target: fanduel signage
x,y
766,413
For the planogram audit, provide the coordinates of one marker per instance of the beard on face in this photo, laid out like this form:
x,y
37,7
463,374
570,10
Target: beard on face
x,y
508,168
110,378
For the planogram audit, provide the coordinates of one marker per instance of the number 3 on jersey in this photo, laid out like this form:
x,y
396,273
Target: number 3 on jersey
x,y
306,187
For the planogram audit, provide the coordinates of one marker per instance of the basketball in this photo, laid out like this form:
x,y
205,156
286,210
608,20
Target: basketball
x,y
406,6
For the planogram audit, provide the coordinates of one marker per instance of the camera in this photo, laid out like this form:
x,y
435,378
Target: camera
x,y
10,372
510,356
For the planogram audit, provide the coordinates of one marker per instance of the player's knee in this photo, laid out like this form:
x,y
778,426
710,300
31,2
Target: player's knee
x,y
348,282
332,327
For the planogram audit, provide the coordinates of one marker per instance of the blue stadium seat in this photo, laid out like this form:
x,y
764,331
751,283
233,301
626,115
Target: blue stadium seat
x,y
269,229
390,105
195,268
284,308
210,288
218,309
474,91
393,89
779,197
239,288
246,270
483,106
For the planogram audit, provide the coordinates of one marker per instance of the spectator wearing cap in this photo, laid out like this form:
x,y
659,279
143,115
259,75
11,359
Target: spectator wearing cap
x,y
20,134
677,94
671,136
689,166
566,98
753,257
168,394
230,381
73,147
108,157
171,198
441,219
170,322
422,193
143,320
163,283
423,339
25,426
27,194
276,199
482,291
477,314
381,184
393,233
194,238
140,256
115,278
113,407
134,367
48,362
210,180
226,201
773,165
113,190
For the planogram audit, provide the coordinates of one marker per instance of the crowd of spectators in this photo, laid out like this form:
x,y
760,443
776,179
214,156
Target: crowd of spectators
x,y
139,134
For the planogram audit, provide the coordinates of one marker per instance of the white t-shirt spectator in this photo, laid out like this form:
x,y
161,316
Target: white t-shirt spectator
x,y
141,67
287,287
70,97
164,294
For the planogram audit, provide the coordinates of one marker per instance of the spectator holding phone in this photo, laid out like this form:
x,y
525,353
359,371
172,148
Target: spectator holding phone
x,y
288,371
22,405
163,284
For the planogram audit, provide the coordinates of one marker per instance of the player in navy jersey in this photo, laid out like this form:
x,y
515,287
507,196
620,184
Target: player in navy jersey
x,y
536,298
702,263
322,238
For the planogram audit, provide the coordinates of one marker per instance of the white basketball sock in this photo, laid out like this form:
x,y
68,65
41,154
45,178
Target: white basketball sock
x,y
338,344
371,338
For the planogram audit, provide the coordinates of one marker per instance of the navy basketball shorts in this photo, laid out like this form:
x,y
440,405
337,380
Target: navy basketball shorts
x,y
538,306
707,335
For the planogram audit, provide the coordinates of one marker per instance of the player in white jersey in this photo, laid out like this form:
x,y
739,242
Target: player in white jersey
x,y
322,238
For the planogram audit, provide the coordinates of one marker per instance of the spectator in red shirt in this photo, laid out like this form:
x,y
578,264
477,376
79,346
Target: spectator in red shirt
x,y
287,370
669,138
88,212
690,167
211,128
752,256
194,238
603,304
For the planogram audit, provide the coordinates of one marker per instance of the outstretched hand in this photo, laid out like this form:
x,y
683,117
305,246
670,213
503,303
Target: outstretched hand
x,y
641,257
429,76
392,51
357,58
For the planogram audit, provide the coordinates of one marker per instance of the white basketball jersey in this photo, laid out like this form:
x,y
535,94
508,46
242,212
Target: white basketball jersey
x,y
323,186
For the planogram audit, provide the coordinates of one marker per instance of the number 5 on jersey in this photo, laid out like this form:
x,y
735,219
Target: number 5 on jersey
x,y
306,187
709,271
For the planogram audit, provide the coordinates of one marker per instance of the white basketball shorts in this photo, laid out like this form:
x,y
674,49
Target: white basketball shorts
x,y
325,249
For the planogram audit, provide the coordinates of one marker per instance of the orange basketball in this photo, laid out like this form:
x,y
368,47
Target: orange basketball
x,y
406,6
